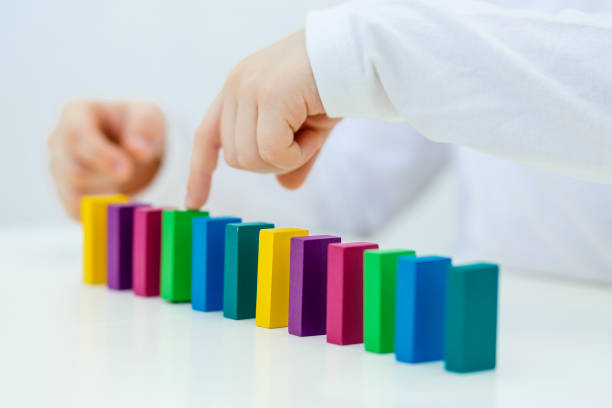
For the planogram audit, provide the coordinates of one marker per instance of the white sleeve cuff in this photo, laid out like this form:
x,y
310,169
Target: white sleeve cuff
x,y
345,76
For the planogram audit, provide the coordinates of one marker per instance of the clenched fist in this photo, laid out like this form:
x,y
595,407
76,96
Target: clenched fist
x,y
105,147
267,118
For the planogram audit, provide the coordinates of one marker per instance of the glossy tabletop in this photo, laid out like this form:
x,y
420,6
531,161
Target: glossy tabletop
x,y
64,343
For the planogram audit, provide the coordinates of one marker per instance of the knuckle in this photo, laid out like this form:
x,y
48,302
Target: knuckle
x,y
268,94
230,159
245,161
247,85
270,154
234,76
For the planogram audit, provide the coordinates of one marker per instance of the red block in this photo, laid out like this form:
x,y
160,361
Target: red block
x,y
345,292
147,251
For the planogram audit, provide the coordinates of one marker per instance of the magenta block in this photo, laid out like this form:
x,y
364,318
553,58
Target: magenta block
x,y
147,251
308,284
345,292
120,222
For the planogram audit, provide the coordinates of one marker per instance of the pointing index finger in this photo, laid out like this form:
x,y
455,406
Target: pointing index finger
x,y
204,156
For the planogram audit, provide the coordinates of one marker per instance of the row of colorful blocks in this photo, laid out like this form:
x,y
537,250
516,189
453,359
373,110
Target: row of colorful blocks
x,y
421,308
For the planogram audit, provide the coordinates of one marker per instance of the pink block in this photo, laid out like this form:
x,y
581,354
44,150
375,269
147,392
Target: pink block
x,y
345,292
147,251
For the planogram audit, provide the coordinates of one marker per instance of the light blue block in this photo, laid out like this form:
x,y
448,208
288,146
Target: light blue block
x,y
208,252
420,308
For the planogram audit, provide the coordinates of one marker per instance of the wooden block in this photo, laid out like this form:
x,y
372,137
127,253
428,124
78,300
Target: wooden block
x,y
345,292
471,318
119,244
308,284
147,251
240,274
379,267
176,254
207,257
93,219
272,308
419,308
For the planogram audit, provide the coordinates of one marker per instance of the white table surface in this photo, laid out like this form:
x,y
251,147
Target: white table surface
x,y
64,343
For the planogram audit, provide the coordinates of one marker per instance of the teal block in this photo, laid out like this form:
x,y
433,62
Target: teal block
x,y
240,275
471,318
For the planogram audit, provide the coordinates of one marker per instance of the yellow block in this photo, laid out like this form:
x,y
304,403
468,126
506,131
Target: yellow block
x,y
93,219
272,308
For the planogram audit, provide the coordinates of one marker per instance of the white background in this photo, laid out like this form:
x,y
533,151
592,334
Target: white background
x,y
175,53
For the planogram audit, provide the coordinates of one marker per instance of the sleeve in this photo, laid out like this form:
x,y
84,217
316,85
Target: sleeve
x,y
368,171
528,86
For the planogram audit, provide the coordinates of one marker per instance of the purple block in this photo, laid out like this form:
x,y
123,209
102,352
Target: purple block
x,y
308,284
119,233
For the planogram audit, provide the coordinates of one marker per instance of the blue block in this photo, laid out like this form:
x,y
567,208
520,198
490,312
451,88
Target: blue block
x,y
207,256
420,308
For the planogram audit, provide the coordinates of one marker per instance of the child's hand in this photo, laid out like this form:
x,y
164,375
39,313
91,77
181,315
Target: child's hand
x,y
267,118
105,147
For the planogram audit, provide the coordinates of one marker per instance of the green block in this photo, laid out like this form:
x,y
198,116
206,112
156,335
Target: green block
x,y
471,317
240,274
379,274
176,254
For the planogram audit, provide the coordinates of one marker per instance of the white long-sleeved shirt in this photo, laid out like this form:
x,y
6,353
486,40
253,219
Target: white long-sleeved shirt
x,y
530,90
525,85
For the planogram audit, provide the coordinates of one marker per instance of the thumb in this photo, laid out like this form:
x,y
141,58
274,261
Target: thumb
x,y
144,131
